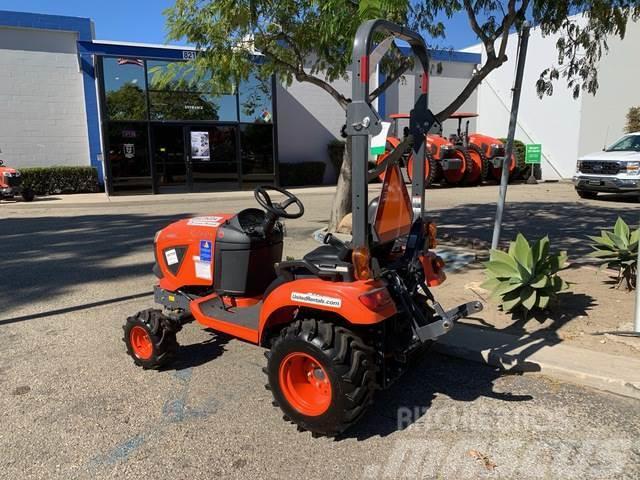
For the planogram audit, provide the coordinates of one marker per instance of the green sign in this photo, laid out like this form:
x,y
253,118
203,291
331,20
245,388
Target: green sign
x,y
533,153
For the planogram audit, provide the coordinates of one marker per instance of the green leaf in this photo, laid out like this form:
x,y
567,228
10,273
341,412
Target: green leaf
x,y
500,256
523,272
490,284
540,249
511,301
507,287
522,251
501,269
543,301
541,281
529,297
635,236
620,243
604,239
621,229
602,254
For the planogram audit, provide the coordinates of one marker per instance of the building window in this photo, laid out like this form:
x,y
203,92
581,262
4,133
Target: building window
x,y
256,104
256,148
175,95
124,87
129,157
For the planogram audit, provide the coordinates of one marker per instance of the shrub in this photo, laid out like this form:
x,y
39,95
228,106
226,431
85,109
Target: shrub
x,y
525,277
55,180
301,174
524,170
633,120
618,250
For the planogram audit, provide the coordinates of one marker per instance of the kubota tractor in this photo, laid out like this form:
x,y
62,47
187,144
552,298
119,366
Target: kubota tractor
x,y
337,324
442,158
484,150
11,184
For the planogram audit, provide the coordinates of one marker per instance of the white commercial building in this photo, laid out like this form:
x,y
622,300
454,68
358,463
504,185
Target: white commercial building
x,y
566,128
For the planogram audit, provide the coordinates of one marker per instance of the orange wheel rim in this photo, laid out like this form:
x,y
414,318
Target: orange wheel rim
x,y
305,384
140,343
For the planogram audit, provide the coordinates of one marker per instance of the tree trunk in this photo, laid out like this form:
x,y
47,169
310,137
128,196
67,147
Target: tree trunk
x,y
342,200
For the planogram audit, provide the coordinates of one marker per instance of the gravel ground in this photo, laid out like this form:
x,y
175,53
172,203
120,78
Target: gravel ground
x,y
75,406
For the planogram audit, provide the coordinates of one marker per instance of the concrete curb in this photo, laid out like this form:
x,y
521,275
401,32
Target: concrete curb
x,y
531,353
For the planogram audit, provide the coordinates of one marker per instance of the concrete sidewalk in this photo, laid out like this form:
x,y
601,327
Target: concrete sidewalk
x,y
531,353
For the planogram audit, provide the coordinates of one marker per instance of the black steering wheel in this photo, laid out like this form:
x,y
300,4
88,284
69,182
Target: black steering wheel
x,y
278,209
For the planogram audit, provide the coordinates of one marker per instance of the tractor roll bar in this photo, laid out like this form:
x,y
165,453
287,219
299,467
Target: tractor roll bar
x,y
363,120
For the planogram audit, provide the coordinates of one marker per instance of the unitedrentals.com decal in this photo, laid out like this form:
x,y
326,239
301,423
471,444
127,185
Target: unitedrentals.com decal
x,y
315,299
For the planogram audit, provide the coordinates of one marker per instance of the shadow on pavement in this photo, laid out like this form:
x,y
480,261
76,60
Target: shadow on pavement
x,y
46,256
198,354
409,401
567,224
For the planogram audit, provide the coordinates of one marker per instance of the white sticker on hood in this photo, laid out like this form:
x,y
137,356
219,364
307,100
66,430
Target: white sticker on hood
x,y
315,299
171,256
206,221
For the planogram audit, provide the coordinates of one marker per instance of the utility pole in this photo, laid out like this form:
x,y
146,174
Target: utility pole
x,y
515,104
636,323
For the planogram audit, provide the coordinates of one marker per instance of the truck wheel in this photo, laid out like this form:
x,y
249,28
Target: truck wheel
x,y
28,195
148,341
586,194
321,375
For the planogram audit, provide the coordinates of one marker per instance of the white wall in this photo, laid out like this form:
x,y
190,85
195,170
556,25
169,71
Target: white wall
x,y
42,112
604,115
565,127
552,121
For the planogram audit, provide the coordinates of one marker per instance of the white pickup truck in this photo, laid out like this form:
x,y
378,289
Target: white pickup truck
x,y
616,169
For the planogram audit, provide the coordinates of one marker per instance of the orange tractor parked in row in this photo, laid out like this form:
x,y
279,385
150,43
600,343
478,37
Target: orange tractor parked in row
x,y
464,159
444,161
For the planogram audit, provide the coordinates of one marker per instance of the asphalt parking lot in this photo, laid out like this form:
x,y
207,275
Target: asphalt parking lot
x,y
75,406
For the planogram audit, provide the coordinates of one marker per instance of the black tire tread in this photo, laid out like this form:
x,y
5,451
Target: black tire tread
x,y
165,345
353,363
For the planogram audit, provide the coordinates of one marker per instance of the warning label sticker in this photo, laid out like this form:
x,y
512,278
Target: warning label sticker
x,y
206,221
171,256
202,269
205,250
315,299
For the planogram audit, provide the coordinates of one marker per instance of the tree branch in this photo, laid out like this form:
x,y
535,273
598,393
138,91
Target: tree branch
x,y
487,68
395,75
475,26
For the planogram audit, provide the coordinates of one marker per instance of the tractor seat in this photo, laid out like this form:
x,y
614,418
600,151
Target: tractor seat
x,y
328,255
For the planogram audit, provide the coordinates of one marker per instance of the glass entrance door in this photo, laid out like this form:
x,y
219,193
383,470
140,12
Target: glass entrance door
x,y
214,157
169,157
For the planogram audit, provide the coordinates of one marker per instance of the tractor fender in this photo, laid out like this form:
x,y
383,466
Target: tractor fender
x,y
339,298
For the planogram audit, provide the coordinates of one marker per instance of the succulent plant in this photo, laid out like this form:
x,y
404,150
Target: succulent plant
x,y
525,277
618,250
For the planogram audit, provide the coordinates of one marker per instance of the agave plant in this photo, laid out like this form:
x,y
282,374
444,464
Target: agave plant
x,y
525,277
618,250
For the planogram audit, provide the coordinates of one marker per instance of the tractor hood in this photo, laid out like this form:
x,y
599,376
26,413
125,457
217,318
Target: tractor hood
x,y
628,156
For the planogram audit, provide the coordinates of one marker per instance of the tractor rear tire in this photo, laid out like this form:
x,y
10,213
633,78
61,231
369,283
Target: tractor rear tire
x,y
322,376
486,164
149,342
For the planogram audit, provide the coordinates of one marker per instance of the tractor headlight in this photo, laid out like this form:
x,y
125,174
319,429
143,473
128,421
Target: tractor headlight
x,y
7,174
578,166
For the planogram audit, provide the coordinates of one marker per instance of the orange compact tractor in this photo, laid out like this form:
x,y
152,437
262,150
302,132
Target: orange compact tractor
x,y
11,184
442,157
337,324
486,151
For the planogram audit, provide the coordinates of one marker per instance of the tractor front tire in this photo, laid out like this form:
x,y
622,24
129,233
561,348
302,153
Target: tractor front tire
x,y
321,375
149,342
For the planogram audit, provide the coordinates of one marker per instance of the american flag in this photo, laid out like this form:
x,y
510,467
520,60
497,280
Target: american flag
x,y
131,61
